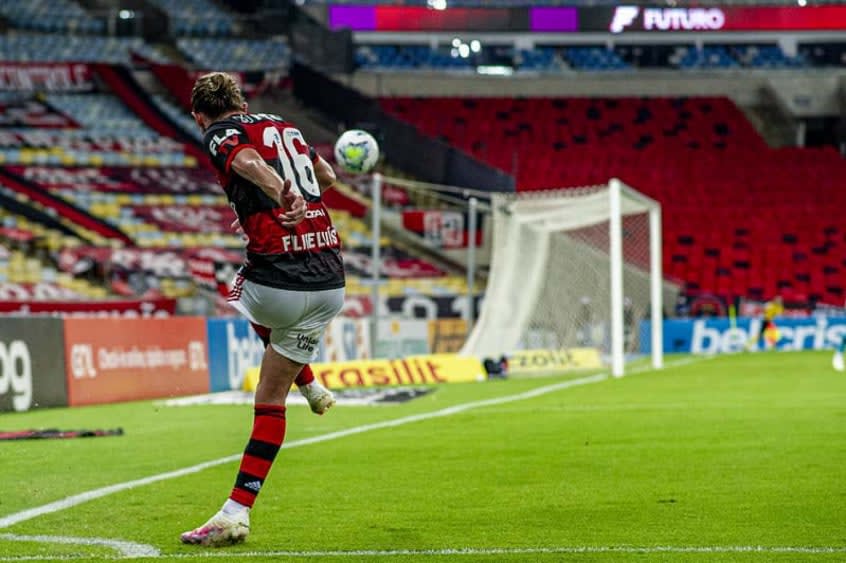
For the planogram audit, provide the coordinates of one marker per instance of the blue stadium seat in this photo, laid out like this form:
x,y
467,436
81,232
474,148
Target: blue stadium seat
x,y
594,58
768,56
237,54
50,16
178,115
56,47
708,57
201,18
409,57
539,59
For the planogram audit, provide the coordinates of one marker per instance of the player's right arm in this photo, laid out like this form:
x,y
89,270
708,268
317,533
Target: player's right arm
x,y
323,171
249,165
230,150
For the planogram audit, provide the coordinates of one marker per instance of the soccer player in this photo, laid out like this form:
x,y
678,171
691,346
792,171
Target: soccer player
x,y
769,331
292,283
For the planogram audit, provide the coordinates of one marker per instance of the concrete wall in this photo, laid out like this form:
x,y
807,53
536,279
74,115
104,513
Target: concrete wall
x,y
807,95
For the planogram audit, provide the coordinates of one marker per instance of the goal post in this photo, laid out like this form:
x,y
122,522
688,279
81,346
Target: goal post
x,y
578,267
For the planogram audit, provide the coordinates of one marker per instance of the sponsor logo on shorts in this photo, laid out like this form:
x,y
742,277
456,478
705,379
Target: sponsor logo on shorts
x,y
306,342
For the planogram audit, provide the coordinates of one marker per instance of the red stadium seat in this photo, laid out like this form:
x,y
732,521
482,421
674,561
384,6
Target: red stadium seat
x,y
715,176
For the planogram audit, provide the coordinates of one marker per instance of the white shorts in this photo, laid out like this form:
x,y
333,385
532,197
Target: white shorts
x,y
296,319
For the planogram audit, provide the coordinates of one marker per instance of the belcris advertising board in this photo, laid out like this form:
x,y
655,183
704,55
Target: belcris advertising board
x,y
718,336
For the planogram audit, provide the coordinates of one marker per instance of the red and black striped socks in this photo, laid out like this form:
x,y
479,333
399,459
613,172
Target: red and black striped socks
x,y
265,441
305,376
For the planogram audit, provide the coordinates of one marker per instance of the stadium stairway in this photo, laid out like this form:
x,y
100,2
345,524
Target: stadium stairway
x,y
122,82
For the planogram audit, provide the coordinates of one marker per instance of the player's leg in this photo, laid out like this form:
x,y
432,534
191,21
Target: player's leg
x,y
299,319
263,306
760,339
837,361
319,398
232,523
290,349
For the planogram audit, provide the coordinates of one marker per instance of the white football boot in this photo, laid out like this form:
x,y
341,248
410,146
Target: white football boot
x,y
319,398
221,529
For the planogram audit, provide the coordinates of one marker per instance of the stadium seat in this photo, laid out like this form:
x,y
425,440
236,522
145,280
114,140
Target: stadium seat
x,y
201,18
237,54
692,154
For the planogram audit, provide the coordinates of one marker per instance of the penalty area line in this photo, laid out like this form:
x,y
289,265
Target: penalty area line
x,y
76,500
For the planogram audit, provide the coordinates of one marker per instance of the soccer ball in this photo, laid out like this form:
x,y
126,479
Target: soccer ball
x,y
356,151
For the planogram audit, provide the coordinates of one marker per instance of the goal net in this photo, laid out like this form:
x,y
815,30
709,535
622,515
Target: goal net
x,y
573,268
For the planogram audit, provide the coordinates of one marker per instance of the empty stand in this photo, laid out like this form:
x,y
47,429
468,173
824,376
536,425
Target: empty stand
x,y
600,58
237,54
54,47
739,218
50,16
197,17
409,57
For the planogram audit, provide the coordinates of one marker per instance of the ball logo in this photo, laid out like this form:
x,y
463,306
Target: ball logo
x,y
82,361
16,374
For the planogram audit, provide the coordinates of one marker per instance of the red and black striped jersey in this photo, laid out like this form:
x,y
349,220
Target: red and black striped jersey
x,y
302,258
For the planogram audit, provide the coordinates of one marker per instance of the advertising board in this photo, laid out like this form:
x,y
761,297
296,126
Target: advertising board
x,y
111,360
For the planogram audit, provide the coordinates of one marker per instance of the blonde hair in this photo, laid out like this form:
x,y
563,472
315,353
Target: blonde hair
x,y
215,94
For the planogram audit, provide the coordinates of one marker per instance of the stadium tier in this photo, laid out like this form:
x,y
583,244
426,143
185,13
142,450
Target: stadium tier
x,y
409,57
197,17
243,55
726,195
137,209
54,47
592,58
28,271
50,16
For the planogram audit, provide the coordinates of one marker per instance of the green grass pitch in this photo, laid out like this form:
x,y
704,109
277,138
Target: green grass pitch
x,y
738,458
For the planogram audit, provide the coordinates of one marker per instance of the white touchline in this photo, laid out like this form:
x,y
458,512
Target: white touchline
x,y
75,500
125,548
470,551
